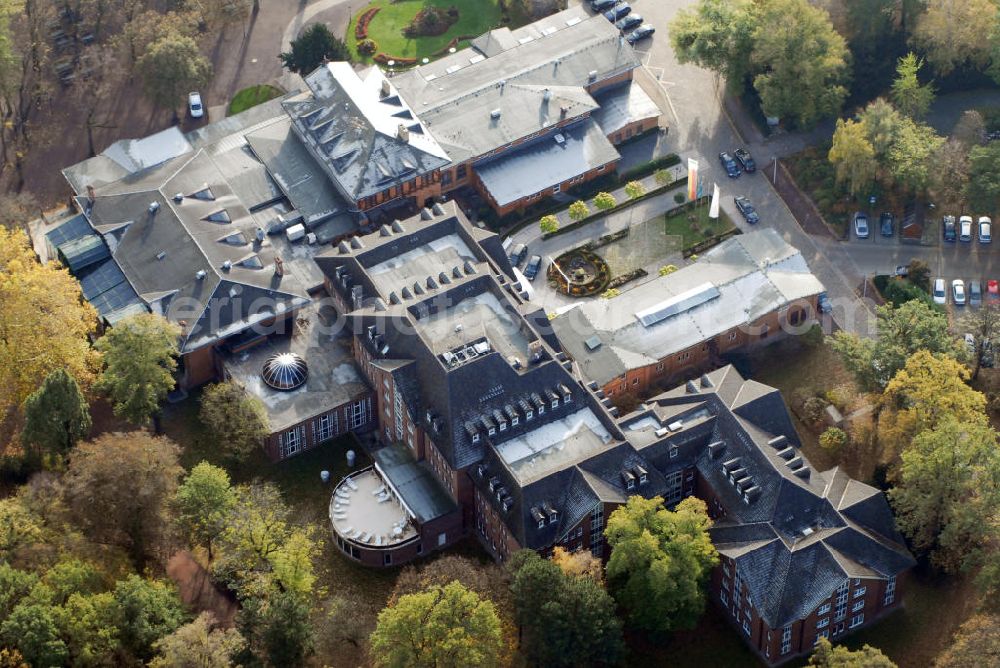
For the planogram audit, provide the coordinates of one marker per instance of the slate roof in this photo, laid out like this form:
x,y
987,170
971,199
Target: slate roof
x,y
800,533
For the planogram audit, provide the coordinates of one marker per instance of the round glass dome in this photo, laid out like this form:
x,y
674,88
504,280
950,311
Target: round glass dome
x,y
284,371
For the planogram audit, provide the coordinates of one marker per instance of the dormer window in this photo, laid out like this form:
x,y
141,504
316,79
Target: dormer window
x,y
629,479
475,437
555,404
541,523
541,409
514,421
529,414
568,397
492,431
553,515
641,474
503,425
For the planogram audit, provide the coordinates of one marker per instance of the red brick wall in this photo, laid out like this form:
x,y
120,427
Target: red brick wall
x,y
428,541
538,197
632,129
340,417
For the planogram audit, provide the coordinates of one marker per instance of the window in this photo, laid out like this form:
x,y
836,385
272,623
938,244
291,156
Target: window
x,y
860,591
659,366
556,188
683,356
555,404
823,609
630,483
446,177
420,548
397,407
529,414
503,426
823,623
492,431
442,539
514,421
764,332
725,583
858,605
724,598
890,591
461,172
387,559
596,533
825,633
746,625
541,409
635,381
475,437
291,441
732,336
541,523
359,413
725,569
786,640
675,488
857,620
673,451
324,427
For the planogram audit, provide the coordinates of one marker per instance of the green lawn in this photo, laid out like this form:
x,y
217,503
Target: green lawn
x,y
251,97
474,18
694,225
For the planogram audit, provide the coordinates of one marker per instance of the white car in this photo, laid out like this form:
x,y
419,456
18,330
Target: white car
x,y
939,293
194,104
985,230
965,228
958,292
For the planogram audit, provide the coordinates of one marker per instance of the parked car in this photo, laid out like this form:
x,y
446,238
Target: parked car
x,y
975,293
949,229
746,209
640,33
729,164
531,269
992,291
958,292
965,228
902,270
746,160
886,224
939,294
861,225
194,105
517,254
618,11
985,230
631,21
601,5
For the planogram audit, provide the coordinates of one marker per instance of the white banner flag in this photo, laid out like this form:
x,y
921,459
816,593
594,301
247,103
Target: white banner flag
x,y
713,210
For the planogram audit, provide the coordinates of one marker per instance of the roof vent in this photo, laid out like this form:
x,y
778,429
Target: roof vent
x,y
396,226
559,138
437,209
161,255
443,278
154,207
706,381
675,426
260,234
592,75
284,371
661,432
393,298
227,265
356,243
469,269
200,274
418,289
716,449
384,231
343,247
426,214
778,442
690,387
495,114
402,133
803,473
456,272
405,292
431,284
386,89
178,197
787,453
379,304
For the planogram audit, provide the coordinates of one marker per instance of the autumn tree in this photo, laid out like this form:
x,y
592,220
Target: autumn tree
x,y
44,323
910,96
634,189
983,189
139,357
949,179
975,645
984,325
581,563
198,643
605,201
17,209
801,60
970,129
829,656
882,123
56,415
564,620
902,331
910,155
235,419
89,624
660,561
948,493
852,155
219,13
144,28
578,210
32,629
548,224
312,48
717,35
952,33
170,67
119,487
150,609
203,503
447,627
487,580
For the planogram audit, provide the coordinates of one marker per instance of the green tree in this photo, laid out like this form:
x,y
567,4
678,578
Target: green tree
x,y
151,609
203,503
802,62
119,487
952,33
312,48
31,628
446,627
902,331
717,35
911,152
833,439
170,67
853,156
827,656
949,178
975,645
947,495
578,210
910,96
663,177
15,584
605,201
234,418
56,415
139,362
287,634
983,190
89,624
564,620
72,576
198,644
548,224
634,189
882,123
660,561
19,528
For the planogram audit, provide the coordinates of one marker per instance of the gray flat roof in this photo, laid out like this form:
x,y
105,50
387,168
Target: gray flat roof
x,y
419,490
472,319
623,105
429,259
333,379
546,162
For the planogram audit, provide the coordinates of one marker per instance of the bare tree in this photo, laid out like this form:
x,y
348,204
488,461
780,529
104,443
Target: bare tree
x,y
984,325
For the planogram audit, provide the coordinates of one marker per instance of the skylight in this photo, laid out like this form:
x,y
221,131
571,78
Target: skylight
x,y
677,304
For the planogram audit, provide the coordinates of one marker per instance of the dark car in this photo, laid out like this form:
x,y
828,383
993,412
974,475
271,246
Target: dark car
x,y
517,254
601,5
618,11
640,33
729,164
886,224
531,269
746,209
629,22
949,228
745,160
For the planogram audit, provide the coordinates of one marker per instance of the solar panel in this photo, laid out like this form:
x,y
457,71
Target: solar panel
x,y
677,304
97,280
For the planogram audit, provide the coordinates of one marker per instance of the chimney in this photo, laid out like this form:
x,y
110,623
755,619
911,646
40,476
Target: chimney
x,y
402,134
386,90
563,111
279,266
154,207
546,95
91,195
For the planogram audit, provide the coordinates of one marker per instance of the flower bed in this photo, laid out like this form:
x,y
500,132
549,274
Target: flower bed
x,y
431,21
361,29
384,58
